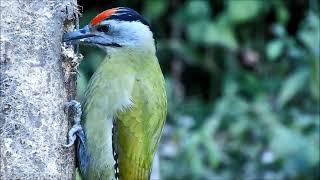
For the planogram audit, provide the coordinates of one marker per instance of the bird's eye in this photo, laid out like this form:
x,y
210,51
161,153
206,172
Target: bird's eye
x,y
105,28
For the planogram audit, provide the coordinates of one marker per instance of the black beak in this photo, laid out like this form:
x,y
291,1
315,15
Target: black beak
x,y
77,34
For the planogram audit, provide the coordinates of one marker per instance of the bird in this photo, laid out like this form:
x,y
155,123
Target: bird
x,y
125,105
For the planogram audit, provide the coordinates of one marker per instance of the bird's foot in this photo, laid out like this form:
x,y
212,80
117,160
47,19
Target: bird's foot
x,y
76,128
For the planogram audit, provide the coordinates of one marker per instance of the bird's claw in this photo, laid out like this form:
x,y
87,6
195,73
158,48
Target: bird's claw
x,y
72,135
73,103
76,128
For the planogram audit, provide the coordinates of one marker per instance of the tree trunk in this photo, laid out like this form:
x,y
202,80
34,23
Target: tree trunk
x,y
35,83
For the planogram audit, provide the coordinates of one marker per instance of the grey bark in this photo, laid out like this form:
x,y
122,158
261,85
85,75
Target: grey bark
x,y
35,82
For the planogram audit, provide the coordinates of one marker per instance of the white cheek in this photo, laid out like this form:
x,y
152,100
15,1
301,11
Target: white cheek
x,y
133,35
134,32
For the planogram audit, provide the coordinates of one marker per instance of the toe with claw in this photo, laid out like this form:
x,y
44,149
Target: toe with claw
x,y
76,128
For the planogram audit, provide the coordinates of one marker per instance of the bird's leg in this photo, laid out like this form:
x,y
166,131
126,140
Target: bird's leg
x,y
76,129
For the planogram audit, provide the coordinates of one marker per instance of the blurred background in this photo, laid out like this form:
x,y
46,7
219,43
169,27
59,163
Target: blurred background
x,y
242,80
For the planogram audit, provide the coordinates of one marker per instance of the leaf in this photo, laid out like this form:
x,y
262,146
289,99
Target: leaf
x,y
274,49
279,30
242,11
281,12
296,150
78,176
214,155
210,33
292,85
309,33
198,9
154,9
195,31
315,79
220,34
187,52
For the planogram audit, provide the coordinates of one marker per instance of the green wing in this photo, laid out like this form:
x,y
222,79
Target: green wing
x,y
138,128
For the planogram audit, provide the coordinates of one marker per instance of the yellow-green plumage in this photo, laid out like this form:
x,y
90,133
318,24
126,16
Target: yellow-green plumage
x,y
127,88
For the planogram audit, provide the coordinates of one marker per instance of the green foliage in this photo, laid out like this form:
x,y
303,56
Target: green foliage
x,y
292,85
242,80
274,49
243,11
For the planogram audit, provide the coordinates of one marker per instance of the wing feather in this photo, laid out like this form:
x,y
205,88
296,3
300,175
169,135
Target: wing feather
x,y
138,128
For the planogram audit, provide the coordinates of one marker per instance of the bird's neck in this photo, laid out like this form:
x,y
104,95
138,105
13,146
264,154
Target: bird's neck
x,y
138,59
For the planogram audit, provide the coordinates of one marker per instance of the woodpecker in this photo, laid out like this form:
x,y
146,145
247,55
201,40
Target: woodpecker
x,y
125,105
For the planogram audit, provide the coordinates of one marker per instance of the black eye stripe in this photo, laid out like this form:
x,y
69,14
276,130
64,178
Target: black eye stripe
x,y
104,28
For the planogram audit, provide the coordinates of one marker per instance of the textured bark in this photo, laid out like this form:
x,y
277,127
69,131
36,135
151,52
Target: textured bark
x,y
35,82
